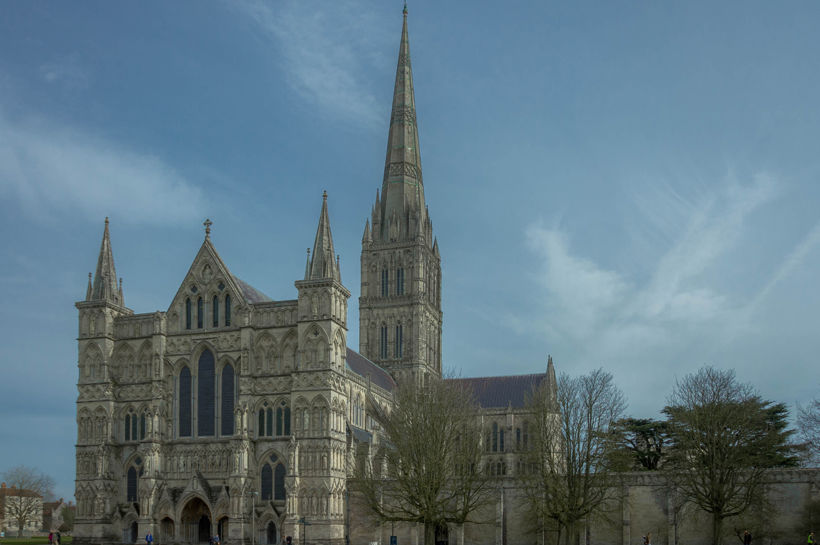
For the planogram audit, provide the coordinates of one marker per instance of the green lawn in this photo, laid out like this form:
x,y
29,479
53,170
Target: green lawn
x,y
65,540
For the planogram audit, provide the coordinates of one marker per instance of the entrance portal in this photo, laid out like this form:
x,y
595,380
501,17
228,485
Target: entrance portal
x,y
196,522
442,535
166,530
134,529
271,533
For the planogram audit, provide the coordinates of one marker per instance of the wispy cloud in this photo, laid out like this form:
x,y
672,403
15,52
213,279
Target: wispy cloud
x,y
50,170
67,70
327,53
616,319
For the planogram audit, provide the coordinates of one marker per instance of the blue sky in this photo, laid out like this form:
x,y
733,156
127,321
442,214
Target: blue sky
x,y
632,185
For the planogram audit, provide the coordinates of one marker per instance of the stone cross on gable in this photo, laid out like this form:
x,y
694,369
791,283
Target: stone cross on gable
x,y
207,223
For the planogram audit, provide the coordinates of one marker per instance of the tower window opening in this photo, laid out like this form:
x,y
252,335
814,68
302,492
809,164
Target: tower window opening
x,y
385,283
397,348
400,281
383,342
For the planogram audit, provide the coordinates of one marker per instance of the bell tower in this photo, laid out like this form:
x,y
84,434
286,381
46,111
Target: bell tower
x,y
400,305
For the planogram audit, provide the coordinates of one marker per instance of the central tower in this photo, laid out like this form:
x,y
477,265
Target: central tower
x,y
400,304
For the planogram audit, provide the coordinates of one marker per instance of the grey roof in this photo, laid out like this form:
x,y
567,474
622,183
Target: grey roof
x,y
364,368
251,294
362,436
501,391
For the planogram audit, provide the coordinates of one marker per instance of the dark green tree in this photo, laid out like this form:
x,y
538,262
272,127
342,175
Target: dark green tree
x,y
724,436
641,443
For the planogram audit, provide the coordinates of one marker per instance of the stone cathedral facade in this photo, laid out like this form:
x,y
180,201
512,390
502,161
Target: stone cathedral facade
x,y
233,414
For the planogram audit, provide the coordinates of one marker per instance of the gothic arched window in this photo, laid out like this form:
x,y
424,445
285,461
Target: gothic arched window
x,y
228,398
279,482
215,310
187,314
228,309
131,485
128,427
185,402
267,482
397,347
206,392
383,342
384,283
495,437
400,281
200,309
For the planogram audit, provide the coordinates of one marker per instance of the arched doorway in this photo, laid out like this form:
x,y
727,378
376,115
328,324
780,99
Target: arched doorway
x,y
167,531
442,535
133,532
270,533
196,522
222,528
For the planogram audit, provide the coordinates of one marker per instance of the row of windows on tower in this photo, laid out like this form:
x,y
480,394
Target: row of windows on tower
x,y
399,282
206,399
398,342
200,312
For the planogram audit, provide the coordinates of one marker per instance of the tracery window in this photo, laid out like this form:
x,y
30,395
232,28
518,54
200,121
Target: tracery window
x,y
272,479
495,437
200,309
215,311
188,313
227,309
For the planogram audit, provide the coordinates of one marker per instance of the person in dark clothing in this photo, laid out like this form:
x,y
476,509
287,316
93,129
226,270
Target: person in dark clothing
x,y
747,537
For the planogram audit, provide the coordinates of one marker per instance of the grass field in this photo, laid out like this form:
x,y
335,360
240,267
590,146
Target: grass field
x,y
65,540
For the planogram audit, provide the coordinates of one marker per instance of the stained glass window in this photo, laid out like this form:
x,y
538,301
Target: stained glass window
x,y
267,482
206,392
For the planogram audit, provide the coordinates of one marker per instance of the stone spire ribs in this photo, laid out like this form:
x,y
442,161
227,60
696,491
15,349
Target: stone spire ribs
x,y
401,213
104,287
323,263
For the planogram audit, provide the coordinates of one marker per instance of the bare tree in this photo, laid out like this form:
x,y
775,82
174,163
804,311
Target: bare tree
x,y
569,477
724,437
25,490
808,424
430,469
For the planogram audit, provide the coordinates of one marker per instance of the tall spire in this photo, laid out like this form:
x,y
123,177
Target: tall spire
x,y
402,199
323,262
104,287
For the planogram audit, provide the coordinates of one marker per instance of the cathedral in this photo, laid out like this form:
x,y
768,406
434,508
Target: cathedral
x,y
235,415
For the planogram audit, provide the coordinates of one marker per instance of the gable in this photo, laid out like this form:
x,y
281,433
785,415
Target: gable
x,y
208,276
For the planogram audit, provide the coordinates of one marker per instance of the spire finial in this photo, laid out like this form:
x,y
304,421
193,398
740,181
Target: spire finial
x,y
404,11
207,223
324,194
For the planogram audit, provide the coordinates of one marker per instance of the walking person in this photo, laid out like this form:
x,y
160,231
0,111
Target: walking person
x,y
149,539
747,537
59,539
50,538
810,540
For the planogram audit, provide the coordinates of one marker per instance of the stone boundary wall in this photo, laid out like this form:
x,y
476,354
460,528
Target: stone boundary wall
x,y
646,506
